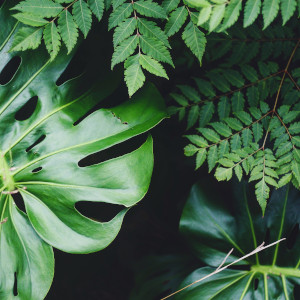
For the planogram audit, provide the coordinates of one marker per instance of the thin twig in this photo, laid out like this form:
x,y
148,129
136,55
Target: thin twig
x,y
258,249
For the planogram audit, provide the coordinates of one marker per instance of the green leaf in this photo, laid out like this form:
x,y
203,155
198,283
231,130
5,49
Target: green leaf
x,y
149,9
31,20
232,13
97,8
206,113
210,134
189,92
238,172
181,100
200,158
197,140
27,38
40,8
216,16
52,39
204,15
155,49
152,66
194,39
170,5
82,16
270,10
294,128
285,179
134,77
223,108
124,30
25,252
234,77
257,131
244,117
124,50
222,129
192,116
262,194
117,3
296,170
223,174
288,8
233,123
212,157
239,225
190,150
150,29
68,29
252,10
50,176
119,15
176,20
247,137
238,101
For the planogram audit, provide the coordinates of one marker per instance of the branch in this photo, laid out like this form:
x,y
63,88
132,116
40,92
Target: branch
x,y
258,249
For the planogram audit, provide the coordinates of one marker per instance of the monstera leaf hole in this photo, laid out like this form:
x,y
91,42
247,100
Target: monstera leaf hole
x,y
39,140
26,111
113,152
15,288
10,70
99,212
18,200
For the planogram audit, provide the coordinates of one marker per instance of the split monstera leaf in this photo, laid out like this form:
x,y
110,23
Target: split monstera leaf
x,y
40,157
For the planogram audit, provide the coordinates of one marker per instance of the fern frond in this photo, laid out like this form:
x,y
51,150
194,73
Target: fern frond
x,y
52,39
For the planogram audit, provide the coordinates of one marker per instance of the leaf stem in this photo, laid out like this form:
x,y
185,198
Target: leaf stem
x,y
281,225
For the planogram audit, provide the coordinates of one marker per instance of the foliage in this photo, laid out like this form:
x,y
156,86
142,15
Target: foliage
x,y
138,41
248,118
275,271
41,160
235,223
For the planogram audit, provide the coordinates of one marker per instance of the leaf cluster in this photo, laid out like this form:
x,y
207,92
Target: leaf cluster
x,y
243,130
54,21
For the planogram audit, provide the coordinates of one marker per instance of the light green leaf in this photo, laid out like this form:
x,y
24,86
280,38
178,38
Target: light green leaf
x,y
68,29
206,113
216,16
124,30
150,29
176,20
52,39
40,8
232,13
200,158
134,78
170,5
288,8
190,150
204,15
238,172
222,129
197,140
210,134
97,7
223,174
244,117
155,49
262,194
27,38
119,15
82,16
124,50
29,19
149,9
270,10
152,66
195,40
252,10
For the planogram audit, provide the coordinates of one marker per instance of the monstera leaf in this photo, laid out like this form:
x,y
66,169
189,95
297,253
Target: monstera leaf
x,y
40,160
213,226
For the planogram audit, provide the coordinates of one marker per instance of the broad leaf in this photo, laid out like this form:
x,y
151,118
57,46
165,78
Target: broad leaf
x,y
41,161
233,224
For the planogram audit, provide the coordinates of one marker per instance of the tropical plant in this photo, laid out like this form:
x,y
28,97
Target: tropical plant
x,y
42,159
233,224
138,42
248,118
271,274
